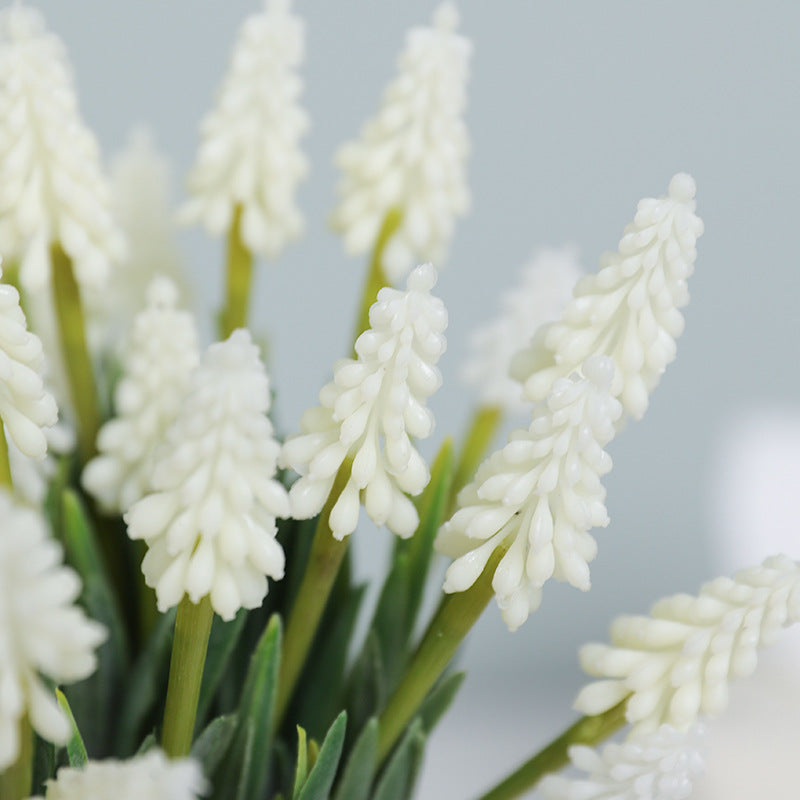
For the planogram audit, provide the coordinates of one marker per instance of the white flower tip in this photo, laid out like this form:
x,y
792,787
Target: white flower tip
x,y
446,17
162,292
682,188
20,22
600,371
422,279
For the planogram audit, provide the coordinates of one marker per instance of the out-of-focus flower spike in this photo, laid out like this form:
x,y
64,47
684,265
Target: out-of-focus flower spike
x,y
629,310
661,765
545,288
43,633
210,517
51,185
676,664
249,156
31,477
157,364
380,395
538,497
411,157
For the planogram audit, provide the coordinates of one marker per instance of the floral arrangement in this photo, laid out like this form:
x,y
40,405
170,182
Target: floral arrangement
x,y
177,609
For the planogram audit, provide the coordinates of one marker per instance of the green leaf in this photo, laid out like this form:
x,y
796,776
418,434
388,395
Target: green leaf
x,y
44,764
320,779
145,685
439,700
244,773
76,750
400,777
212,744
390,620
366,693
357,778
148,743
221,644
301,772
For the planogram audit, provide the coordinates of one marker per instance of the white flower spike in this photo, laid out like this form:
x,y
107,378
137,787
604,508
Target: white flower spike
x,y
26,408
662,765
539,495
412,156
209,521
42,632
249,154
545,288
629,310
160,357
51,184
677,663
152,776
379,396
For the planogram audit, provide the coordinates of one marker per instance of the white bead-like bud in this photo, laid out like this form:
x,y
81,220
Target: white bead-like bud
x,y
412,155
538,496
378,396
210,518
629,310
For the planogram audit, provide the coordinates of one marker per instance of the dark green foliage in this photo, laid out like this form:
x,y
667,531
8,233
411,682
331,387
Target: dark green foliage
x,y
212,744
321,776
76,750
359,771
400,776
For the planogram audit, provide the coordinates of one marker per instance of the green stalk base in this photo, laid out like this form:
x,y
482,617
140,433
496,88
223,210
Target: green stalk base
x,y
5,466
15,782
239,280
189,646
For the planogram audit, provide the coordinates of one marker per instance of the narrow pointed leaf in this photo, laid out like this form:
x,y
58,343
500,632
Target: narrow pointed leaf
x,y
321,777
390,620
212,744
439,699
76,750
301,771
367,690
44,764
400,776
359,772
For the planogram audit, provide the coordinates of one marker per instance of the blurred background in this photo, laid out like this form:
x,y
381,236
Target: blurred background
x,y
577,110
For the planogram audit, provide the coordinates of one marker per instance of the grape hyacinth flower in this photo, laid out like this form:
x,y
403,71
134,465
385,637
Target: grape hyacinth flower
x,y
51,184
209,519
43,634
27,409
661,765
370,411
152,776
411,157
160,357
249,155
677,663
538,496
545,288
629,310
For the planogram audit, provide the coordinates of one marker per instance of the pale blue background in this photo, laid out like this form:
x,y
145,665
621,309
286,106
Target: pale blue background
x,y
577,109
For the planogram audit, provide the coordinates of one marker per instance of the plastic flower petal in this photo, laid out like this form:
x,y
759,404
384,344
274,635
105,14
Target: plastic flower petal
x,y
249,152
26,407
42,632
31,476
160,357
629,310
209,521
412,155
677,663
370,411
662,765
152,776
538,496
51,184
545,288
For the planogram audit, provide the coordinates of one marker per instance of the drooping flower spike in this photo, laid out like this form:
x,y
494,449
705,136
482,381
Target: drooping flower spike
x,y
157,364
538,496
629,310
661,765
51,184
209,520
43,634
411,157
370,411
676,664
545,288
249,153
26,407
151,776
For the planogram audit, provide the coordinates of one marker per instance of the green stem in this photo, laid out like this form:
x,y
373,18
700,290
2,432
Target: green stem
x,y
587,730
239,279
189,646
456,615
376,277
15,782
323,565
77,361
483,426
5,466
